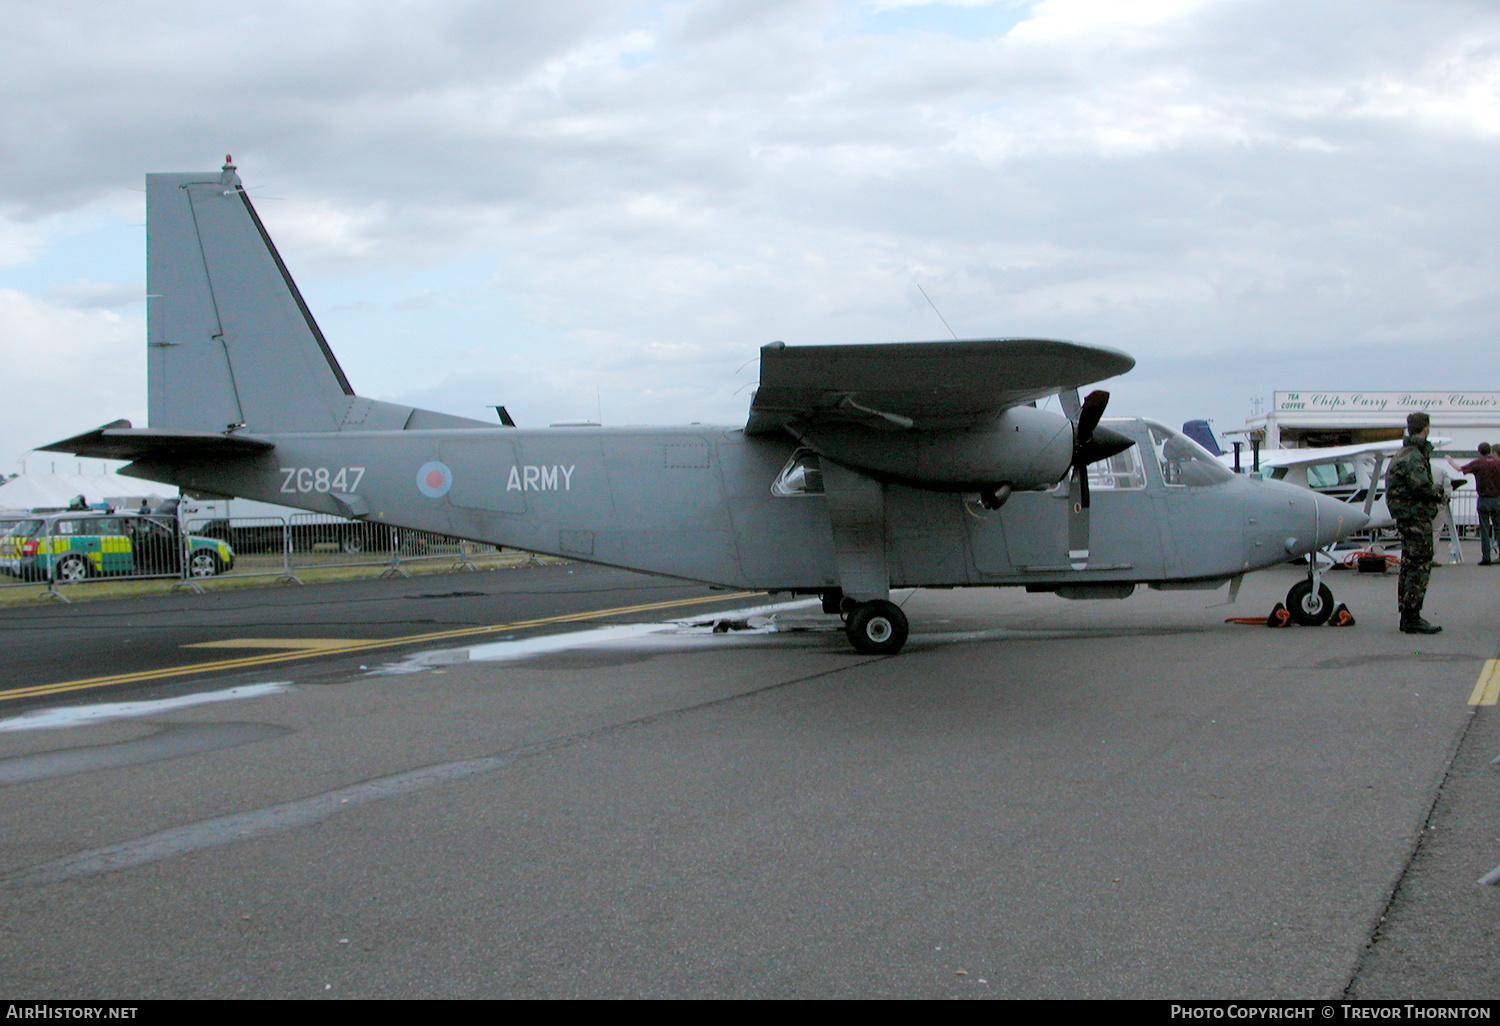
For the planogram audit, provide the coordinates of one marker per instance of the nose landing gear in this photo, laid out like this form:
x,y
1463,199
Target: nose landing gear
x,y
1310,602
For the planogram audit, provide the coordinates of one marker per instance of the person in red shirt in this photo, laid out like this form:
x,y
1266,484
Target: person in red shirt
x,y
1486,471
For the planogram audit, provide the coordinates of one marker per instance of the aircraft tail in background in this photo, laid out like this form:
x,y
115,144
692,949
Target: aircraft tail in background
x,y
1200,432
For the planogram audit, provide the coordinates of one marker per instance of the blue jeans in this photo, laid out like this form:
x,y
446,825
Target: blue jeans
x,y
1489,527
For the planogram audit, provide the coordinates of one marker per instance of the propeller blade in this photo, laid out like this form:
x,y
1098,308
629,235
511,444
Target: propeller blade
x,y
1090,444
1089,414
1069,399
1078,522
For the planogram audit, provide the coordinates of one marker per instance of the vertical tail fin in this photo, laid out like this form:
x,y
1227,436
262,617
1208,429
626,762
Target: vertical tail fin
x,y
230,340
1200,432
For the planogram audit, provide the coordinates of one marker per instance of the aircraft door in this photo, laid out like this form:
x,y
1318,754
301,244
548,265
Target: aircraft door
x,y
1035,526
1206,534
1031,530
1124,534
926,536
1203,525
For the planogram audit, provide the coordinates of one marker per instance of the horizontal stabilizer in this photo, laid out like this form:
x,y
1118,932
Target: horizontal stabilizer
x,y
119,441
922,385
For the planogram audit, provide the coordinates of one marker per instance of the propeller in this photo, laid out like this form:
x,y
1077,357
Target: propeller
x,y
1091,443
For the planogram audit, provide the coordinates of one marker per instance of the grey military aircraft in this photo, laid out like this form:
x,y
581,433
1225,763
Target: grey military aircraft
x,y
861,467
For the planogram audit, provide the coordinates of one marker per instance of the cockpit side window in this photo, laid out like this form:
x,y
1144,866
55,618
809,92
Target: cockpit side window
x,y
1124,471
802,475
1184,463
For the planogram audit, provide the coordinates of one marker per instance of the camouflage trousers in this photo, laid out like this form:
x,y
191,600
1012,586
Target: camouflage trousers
x,y
1416,566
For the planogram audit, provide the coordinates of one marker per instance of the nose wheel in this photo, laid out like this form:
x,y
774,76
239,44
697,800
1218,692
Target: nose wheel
x,y
876,628
1310,603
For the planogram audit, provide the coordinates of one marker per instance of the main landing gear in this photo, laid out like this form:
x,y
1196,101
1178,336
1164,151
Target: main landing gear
x,y
873,628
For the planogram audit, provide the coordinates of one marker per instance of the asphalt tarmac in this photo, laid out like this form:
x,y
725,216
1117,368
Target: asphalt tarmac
x,y
501,795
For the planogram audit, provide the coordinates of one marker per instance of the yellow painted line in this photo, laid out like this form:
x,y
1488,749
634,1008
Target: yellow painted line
x,y
1487,687
322,644
246,662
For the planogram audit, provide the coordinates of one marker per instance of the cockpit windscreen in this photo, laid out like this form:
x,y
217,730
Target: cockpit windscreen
x,y
1185,463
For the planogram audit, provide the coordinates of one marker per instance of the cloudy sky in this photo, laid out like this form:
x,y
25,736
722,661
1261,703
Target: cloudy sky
x,y
586,207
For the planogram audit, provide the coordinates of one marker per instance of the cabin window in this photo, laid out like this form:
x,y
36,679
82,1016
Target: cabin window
x,y
1184,463
802,475
1124,471
1331,475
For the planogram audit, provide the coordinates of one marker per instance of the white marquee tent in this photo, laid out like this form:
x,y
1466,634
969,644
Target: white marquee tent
x,y
56,491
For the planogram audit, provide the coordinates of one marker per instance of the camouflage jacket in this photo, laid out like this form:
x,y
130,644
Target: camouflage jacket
x,y
1410,492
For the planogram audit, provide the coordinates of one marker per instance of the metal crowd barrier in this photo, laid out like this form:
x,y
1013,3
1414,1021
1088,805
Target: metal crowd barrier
x,y
91,546
57,551
271,545
1465,505
259,543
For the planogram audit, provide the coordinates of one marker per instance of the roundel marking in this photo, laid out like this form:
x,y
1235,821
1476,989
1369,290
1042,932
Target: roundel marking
x,y
434,479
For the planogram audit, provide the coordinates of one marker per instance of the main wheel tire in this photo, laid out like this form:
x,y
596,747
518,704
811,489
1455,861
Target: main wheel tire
x,y
204,564
876,628
1309,608
72,569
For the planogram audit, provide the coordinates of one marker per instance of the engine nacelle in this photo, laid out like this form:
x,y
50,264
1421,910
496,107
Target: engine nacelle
x,y
1025,447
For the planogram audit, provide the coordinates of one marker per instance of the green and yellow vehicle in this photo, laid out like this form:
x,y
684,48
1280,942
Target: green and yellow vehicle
x,y
75,546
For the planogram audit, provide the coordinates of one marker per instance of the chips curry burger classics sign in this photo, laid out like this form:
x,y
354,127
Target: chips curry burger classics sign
x,y
1387,402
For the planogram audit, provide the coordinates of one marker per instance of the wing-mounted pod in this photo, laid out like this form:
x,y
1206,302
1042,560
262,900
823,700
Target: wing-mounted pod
x,y
1023,447
946,416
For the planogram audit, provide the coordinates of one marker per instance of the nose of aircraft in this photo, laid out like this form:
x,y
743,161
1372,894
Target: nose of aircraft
x,y
1319,521
1337,520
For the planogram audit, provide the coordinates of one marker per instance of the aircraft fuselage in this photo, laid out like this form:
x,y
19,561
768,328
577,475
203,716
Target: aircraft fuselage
x,y
697,503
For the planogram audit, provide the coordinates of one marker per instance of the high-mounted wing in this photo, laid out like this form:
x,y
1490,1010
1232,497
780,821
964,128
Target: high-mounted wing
x,y
1330,454
924,385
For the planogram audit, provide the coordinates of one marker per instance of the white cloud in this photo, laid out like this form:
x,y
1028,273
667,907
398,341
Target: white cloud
x,y
18,242
64,371
895,5
96,295
547,199
1102,22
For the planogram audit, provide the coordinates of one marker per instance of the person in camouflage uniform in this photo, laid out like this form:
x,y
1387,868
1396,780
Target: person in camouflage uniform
x,y
1414,499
